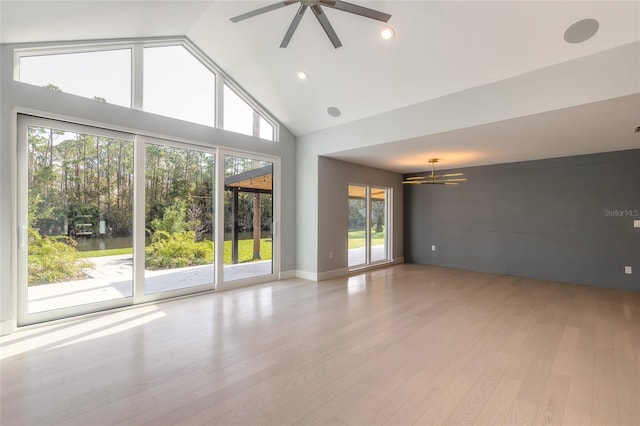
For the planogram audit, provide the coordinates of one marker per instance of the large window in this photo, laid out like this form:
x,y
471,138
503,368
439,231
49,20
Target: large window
x,y
102,75
178,85
109,219
240,117
77,212
170,78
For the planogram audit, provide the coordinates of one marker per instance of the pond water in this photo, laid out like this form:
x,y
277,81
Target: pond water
x,y
103,243
108,243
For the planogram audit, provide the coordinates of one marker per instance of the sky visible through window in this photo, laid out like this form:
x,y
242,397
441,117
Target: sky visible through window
x,y
103,74
176,84
238,116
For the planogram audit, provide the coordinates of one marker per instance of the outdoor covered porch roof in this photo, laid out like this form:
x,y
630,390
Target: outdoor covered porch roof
x,y
256,180
356,191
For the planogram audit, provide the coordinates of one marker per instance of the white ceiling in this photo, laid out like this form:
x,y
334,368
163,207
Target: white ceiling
x,y
587,129
440,48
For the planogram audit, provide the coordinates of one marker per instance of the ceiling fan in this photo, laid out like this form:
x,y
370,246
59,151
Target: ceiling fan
x,y
316,7
434,179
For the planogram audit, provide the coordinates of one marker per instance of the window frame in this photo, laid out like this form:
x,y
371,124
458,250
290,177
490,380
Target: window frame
x,y
137,67
243,98
140,139
388,233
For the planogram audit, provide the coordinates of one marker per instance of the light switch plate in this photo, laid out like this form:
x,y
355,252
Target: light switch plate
x,y
433,248
636,223
627,269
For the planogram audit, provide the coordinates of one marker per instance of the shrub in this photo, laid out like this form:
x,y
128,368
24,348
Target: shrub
x,y
177,249
53,259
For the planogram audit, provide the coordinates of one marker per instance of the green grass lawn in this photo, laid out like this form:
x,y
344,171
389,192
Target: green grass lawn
x,y
110,252
245,251
357,239
245,247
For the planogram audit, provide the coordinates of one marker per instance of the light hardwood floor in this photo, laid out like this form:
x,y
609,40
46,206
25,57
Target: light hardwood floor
x,y
404,345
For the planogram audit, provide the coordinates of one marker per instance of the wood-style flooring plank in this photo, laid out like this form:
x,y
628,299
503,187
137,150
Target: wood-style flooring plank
x,y
402,345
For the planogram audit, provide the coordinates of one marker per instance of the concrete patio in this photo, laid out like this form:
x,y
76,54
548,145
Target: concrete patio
x,y
112,278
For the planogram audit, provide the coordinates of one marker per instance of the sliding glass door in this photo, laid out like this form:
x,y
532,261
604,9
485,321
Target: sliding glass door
x,y
108,219
248,217
368,217
378,207
179,213
75,242
357,232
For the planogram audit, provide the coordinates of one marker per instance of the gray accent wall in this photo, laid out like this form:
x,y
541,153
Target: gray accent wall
x,y
565,219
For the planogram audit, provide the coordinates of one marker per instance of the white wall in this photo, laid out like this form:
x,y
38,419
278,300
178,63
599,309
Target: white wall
x,y
16,96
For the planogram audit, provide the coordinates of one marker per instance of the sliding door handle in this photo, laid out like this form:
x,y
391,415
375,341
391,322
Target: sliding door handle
x,y
22,236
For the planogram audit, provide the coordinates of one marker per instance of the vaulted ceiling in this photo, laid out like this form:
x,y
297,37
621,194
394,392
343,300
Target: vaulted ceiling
x,y
441,48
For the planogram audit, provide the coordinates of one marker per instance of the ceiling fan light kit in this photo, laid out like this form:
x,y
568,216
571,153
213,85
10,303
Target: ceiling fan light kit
x,y
316,8
434,179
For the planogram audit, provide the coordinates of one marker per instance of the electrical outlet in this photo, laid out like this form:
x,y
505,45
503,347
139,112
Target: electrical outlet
x,y
433,248
627,269
330,255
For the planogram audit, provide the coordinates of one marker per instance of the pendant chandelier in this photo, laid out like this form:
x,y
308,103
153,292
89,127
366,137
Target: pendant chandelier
x,y
434,179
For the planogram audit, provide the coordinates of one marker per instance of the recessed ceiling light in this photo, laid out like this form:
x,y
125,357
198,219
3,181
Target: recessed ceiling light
x,y
334,112
302,75
581,31
387,33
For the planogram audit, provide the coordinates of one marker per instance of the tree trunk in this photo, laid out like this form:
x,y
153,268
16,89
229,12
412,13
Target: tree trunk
x,y
84,172
98,176
108,179
119,177
50,147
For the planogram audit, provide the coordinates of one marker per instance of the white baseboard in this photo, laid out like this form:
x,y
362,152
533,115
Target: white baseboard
x,y
285,275
6,327
307,275
311,276
333,274
340,272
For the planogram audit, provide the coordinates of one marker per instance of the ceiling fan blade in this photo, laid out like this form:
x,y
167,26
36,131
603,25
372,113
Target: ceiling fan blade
x,y
358,10
262,10
326,26
294,24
